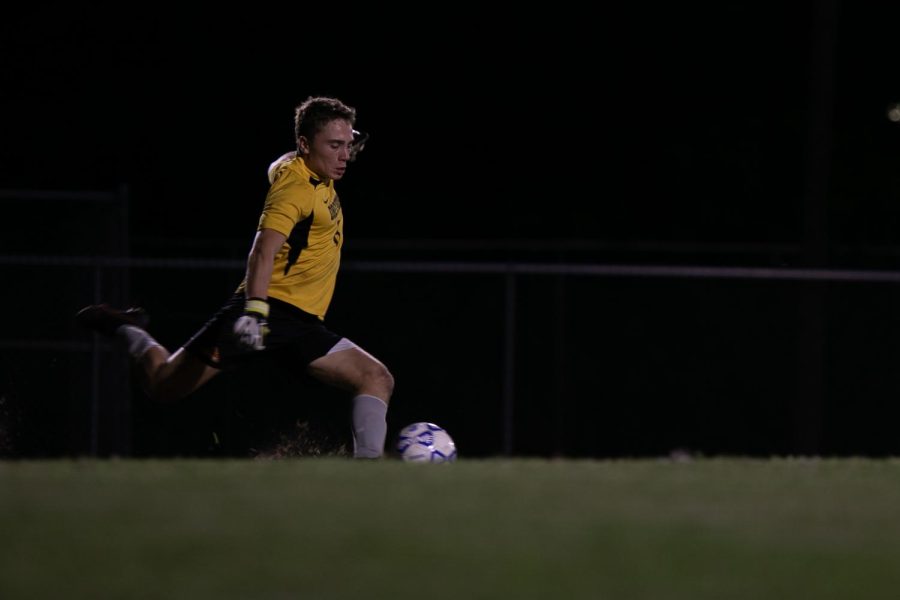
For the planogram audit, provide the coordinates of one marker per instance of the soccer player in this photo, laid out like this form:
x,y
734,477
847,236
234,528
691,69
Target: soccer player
x,y
279,307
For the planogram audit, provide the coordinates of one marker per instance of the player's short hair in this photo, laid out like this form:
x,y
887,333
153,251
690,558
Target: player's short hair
x,y
315,113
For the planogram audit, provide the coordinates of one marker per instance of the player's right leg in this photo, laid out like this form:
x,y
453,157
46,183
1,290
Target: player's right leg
x,y
165,377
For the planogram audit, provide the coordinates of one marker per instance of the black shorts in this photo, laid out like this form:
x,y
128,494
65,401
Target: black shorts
x,y
295,336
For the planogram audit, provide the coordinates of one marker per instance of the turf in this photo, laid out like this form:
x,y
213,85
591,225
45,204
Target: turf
x,y
335,528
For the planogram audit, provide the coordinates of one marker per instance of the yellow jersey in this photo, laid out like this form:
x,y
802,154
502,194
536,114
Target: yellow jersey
x,y
307,211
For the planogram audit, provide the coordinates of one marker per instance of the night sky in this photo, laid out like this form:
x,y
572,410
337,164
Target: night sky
x,y
673,124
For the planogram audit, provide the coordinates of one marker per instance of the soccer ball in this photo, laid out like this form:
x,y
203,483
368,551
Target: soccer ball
x,y
425,442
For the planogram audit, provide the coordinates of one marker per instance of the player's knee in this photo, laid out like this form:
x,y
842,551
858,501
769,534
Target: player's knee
x,y
381,380
177,378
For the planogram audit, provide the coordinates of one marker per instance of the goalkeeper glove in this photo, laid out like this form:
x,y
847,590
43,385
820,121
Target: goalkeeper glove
x,y
251,328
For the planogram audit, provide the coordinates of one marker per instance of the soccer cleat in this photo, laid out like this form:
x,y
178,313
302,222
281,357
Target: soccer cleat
x,y
105,320
359,142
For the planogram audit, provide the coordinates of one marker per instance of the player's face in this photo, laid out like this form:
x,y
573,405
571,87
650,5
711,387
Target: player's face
x,y
329,152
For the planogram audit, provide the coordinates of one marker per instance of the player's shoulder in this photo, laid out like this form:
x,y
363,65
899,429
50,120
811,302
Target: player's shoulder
x,y
281,166
292,185
289,171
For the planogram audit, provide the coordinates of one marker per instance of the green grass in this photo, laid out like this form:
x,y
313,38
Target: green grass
x,y
518,529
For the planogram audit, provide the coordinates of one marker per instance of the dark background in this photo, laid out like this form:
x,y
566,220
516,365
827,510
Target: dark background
x,y
730,134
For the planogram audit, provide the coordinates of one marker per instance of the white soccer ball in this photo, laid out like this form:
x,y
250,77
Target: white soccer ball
x,y
426,442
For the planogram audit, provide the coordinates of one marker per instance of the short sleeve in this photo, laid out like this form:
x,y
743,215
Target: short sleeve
x,y
287,203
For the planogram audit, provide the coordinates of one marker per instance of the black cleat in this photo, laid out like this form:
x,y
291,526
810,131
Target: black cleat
x,y
106,320
359,142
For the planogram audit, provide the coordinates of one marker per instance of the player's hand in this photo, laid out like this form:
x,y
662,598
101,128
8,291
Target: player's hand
x,y
251,328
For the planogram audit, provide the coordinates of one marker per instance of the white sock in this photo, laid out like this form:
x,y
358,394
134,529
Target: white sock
x,y
369,426
134,340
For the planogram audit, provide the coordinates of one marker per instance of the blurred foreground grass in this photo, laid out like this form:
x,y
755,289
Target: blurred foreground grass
x,y
336,528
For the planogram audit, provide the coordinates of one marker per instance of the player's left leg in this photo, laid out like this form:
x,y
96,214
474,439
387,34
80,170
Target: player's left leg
x,y
351,368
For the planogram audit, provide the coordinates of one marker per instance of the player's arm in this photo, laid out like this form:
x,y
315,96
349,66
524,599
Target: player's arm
x,y
252,326
261,260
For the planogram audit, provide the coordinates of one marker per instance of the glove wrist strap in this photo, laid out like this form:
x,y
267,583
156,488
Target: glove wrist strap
x,y
257,306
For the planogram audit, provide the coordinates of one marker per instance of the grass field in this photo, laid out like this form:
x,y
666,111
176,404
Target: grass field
x,y
335,528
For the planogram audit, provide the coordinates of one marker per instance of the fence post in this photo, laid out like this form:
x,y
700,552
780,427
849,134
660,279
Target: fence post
x,y
509,361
